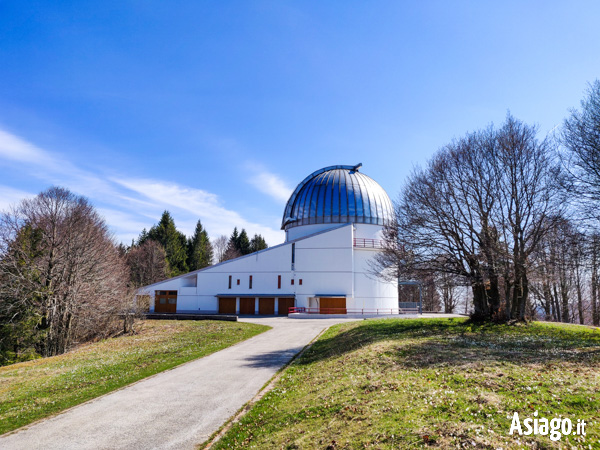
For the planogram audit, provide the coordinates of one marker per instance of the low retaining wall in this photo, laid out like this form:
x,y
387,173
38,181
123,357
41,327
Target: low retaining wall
x,y
176,316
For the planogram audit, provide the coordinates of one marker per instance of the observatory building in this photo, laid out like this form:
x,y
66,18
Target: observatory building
x,y
333,223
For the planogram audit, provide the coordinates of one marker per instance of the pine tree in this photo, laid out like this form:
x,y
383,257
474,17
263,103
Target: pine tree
x,y
243,243
200,251
173,241
232,250
143,237
258,243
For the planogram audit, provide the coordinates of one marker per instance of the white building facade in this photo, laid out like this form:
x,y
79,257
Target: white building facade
x,y
333,223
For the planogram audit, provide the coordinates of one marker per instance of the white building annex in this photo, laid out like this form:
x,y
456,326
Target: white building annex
x,y
333,223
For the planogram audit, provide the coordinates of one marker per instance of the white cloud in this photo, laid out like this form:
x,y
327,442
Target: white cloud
x,y
269,183
16,149
10,196
204,205
129,205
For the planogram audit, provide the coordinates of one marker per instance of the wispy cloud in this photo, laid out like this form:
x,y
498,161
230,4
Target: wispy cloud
x,y
129,204
202,204
269,183
10,197
16,149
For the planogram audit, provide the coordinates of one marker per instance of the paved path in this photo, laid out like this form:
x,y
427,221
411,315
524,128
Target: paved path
x,y
180,408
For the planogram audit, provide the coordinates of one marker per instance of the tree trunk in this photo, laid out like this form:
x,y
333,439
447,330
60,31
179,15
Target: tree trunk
x,y
595,312
480,304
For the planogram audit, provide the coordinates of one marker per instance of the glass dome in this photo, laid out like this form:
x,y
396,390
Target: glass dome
x,y
337,194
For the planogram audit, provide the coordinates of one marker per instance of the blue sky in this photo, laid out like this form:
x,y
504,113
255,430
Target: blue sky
x,y
217,110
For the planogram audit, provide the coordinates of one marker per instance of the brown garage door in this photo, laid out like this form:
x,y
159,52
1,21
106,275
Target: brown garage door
x,y
226,305
266,306
247,305
333,305
165,301
284,305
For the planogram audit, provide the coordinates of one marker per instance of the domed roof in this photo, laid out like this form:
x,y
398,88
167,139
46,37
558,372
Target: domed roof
x,y
337,194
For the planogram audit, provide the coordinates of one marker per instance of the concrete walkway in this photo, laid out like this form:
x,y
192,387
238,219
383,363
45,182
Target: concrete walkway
x,y
180,408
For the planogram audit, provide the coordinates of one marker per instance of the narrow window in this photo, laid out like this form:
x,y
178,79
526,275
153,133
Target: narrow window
x,y
300,281
238,281
278,281
229,281
250,282
292,281
293,253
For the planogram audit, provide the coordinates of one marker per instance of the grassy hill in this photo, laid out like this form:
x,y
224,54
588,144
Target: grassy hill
x,y
35,389
418,383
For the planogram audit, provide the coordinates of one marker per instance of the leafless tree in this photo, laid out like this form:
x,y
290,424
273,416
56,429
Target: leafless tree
x,y
557,275
60,270
220,247
594,251
477,212
448,285
530,200
147,263
581,138
444,221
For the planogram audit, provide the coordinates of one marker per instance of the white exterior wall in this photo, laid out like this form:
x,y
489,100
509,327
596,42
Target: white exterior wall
x,y
326,262
291,234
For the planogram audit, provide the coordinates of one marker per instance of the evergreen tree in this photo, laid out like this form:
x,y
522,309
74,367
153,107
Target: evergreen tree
x,y
234,238
232,250
200,251
258,243
243,243
173,241
143,237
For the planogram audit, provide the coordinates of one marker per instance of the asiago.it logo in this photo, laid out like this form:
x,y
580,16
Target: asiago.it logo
x,y
557,427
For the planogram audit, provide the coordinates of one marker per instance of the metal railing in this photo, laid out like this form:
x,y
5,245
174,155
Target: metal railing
x,y
368,243
353,311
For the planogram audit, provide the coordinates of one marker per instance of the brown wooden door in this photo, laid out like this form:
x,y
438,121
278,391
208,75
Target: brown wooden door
x,y
226,305
247,305
333,305
266,306
165,301
284,305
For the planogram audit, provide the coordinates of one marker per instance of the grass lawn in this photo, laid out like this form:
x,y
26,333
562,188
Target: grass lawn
x,y
36,389
419,383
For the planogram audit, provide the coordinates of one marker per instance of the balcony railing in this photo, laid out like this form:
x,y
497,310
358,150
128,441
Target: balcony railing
x,y
368,243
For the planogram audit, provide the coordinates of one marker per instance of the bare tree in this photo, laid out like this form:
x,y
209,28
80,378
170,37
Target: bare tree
x,y
147,263
477,212
60,270
594,250
220,247
448,291
556,278
581,138
530,200
444,221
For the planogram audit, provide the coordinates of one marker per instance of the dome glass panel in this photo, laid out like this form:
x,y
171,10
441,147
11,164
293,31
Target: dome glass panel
x,y
337,194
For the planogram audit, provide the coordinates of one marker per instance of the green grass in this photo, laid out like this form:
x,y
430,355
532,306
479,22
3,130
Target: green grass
x,y
441,383
39,388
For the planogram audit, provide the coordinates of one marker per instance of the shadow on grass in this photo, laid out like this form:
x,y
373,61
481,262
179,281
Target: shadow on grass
x,y
431,342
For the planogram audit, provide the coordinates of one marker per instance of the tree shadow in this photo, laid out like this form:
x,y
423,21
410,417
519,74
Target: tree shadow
x,y
277,358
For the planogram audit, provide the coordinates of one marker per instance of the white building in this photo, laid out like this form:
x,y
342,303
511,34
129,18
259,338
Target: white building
x,y
333,223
